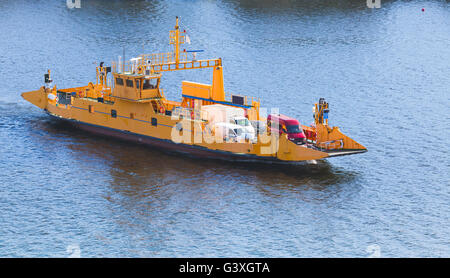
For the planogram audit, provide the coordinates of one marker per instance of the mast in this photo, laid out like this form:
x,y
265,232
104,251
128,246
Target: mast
x,y
177,43
176,39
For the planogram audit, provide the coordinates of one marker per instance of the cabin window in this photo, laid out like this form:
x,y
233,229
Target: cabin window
x,y
119,81
137,84
130,83
150,84
91,109
154,122
114,113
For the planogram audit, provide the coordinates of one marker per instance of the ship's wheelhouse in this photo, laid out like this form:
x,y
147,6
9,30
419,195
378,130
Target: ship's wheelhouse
x,y
136,86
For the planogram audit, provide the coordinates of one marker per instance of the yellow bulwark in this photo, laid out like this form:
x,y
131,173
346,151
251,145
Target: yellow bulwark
x,y
127,101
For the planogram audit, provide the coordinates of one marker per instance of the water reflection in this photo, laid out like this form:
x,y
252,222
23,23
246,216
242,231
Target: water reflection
x,y
139,167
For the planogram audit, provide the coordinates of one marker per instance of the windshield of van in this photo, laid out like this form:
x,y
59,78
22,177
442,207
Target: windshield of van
x,y
293,129
243,122
238,131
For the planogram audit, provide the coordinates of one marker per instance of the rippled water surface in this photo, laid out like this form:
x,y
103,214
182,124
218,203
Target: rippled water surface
x,y
385,72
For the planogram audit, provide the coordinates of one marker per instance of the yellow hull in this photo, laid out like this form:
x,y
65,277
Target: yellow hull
x,y
97,114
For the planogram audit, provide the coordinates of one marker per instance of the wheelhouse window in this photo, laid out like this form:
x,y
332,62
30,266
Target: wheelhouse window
x,y
130,83
150,84
138,84
119,81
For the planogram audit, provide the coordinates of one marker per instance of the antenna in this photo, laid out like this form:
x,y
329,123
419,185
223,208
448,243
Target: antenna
x,y
123,65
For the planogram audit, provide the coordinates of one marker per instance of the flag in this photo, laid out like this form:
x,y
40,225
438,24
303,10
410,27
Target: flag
x,y
188,40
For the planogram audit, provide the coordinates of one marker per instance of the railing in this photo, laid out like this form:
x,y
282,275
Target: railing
x,y
247,100
121,67
187,113
161,58
149,63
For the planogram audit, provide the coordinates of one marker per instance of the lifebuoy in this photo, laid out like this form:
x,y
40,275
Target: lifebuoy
x,y
161,109
140,69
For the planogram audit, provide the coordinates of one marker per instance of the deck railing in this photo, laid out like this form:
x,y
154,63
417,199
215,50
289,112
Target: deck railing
x,y
161,58
246,100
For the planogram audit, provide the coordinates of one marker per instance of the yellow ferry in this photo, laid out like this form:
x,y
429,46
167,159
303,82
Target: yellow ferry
x,y
126,101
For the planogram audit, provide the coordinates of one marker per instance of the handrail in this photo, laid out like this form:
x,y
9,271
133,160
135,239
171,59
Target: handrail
x,y
160,64
161,58
248,100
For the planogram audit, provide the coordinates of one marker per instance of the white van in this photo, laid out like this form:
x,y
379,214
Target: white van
x,y
218,113
232,133
245,123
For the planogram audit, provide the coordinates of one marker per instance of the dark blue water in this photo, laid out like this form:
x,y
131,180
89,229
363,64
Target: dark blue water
x,y
385,72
